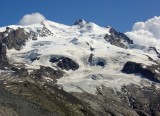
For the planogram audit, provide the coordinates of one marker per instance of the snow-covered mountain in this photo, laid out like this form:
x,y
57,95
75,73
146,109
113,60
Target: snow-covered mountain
x,y
81,59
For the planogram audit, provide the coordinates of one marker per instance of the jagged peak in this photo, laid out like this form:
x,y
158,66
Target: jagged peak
x,y
80,22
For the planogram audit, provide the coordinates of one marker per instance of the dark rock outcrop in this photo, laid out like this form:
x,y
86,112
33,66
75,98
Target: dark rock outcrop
x,y
15,38
64,63
80,22
33,35
120,35
74,41
137,68
44,32
90,58
93,61
118,39
92,49
144,100
46,72
11,38
155,50
3,58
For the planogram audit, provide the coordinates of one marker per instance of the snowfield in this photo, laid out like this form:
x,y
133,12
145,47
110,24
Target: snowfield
x,y
75,42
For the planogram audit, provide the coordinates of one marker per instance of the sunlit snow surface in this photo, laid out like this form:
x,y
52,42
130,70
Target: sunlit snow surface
x,y
75,42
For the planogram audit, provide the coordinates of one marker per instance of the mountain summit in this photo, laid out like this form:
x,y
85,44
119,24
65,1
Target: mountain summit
x,y
80,22
50,69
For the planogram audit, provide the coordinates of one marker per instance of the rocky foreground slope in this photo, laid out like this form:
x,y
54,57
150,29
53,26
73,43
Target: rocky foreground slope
x,y
51,69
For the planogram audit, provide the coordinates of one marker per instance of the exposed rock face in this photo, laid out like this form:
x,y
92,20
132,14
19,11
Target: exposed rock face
x,y
11,39
45,32
80,22
3,58
64,63
155,50
93,61
92,49
144,100
90,58
15,38
74,41
118,39
136,68
46,72
33,35
121,36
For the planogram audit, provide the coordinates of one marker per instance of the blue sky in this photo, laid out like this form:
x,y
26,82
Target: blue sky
x,y
120,14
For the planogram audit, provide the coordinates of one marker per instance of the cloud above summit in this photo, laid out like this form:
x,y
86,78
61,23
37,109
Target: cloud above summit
x,y
30,19
146,33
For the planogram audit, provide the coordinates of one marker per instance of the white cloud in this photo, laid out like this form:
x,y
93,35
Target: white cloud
x,y
146,33
31,19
